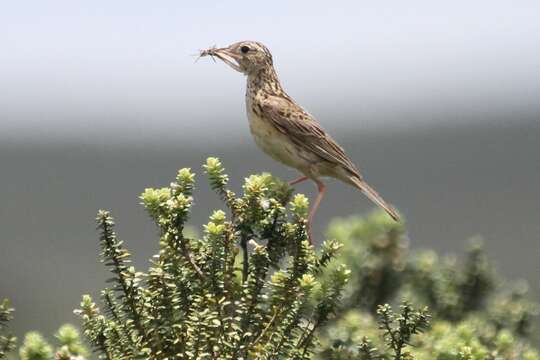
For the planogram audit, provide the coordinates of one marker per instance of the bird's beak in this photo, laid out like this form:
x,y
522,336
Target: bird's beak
x,y
224,54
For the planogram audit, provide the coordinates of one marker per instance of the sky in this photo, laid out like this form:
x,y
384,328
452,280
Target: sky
x,y
126,70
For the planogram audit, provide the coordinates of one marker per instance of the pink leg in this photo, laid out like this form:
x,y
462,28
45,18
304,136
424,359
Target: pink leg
x,y
322,189
297,181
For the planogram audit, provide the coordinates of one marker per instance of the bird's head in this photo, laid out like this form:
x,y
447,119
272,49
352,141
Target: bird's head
x,y
247,57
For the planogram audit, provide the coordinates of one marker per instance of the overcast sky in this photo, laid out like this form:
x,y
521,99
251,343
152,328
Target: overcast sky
x,y
74,69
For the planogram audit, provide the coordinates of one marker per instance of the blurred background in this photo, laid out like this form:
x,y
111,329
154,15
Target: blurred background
x,y
437,103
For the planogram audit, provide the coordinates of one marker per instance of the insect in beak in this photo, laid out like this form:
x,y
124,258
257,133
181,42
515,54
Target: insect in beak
x,y
224,54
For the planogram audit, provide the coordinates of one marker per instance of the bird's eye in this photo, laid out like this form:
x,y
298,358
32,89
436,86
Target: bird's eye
x,y
244,49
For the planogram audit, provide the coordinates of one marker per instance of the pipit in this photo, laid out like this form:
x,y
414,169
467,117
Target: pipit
x,y
287,132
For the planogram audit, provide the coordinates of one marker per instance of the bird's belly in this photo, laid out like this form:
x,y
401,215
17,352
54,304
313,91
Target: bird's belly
x,y
276,144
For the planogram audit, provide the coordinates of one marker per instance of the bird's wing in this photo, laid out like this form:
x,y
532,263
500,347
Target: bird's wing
x,y
293,121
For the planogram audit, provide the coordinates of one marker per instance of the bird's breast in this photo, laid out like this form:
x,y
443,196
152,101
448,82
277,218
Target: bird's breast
x,y
273,142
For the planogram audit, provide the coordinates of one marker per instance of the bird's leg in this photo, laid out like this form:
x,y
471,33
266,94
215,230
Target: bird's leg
x,y
322,189
297,181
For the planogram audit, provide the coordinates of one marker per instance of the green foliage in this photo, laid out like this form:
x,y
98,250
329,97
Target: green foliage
x,y
474,338
475,316
70,343
398,330
7,342
35,347
252,287
451,289
375,255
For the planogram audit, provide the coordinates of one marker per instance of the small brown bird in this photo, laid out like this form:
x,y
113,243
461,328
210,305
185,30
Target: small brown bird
x,y
285,131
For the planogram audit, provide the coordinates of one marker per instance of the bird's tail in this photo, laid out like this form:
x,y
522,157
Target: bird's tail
x,y
374,196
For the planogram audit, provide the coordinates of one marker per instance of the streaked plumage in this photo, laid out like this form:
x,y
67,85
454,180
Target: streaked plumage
x,y
284,130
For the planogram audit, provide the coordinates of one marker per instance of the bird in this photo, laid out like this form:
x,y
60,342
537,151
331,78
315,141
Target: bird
x,y
286,131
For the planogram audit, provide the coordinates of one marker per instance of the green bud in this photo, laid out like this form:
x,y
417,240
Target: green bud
x,y
300,205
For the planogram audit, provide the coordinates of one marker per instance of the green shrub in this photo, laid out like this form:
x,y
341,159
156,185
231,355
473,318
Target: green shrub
x,y
201,298
7,341
252,287
475,314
